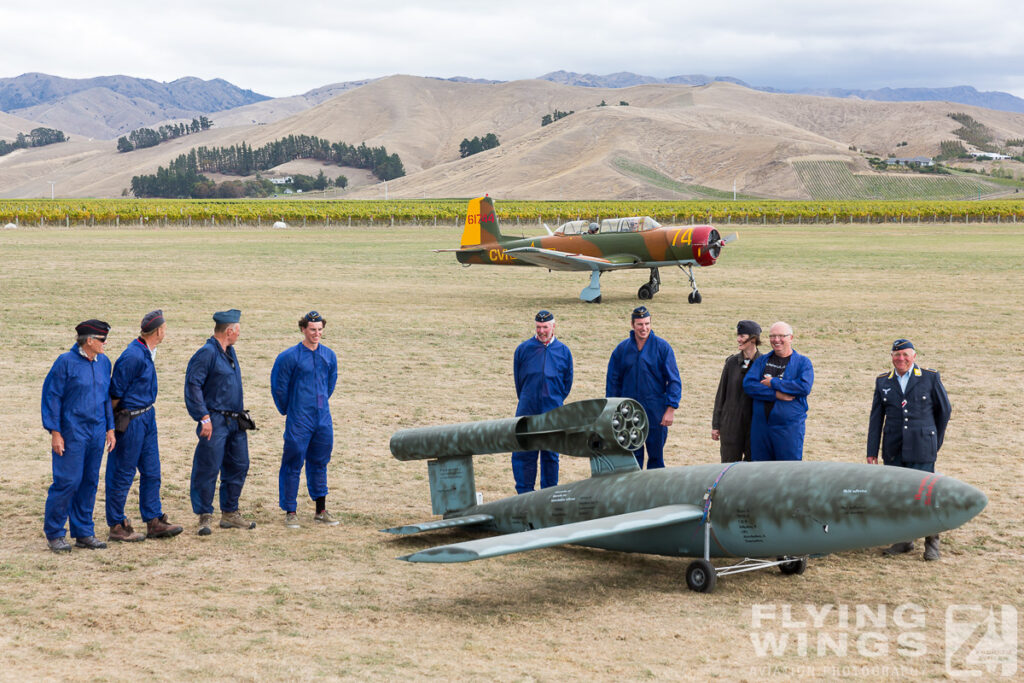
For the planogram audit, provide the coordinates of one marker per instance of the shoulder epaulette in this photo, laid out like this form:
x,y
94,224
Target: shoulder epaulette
x,y
884,374
930,370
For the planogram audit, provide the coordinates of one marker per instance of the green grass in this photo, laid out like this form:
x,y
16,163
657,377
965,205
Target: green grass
x,y
833,180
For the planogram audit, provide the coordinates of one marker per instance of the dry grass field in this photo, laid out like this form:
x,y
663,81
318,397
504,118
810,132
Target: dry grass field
x,y
422,341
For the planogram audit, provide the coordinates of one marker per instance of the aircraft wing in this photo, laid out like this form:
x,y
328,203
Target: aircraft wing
x,y
560,260
468,520
575,532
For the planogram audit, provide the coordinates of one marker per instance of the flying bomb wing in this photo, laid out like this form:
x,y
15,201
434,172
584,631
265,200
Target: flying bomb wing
x,y
468,520
576,532
560,260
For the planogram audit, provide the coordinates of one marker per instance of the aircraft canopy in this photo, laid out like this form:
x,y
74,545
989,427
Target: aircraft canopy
x,y
631,224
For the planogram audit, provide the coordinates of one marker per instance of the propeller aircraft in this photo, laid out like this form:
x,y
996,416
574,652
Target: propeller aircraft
x,y
615,244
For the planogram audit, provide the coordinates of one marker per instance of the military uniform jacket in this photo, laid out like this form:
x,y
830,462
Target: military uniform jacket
x,y
732,405
910,426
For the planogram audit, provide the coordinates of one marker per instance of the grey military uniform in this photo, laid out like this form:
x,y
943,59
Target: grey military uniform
x,y
909,426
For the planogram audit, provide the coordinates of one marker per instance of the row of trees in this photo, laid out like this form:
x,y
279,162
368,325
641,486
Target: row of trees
x,y
470,147
182,175
140,138
37,137
548,119
244,159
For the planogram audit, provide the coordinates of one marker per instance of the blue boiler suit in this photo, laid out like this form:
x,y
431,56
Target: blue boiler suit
x,y
543,376
302,382
75,403
651,377
213,383
134,383
779,435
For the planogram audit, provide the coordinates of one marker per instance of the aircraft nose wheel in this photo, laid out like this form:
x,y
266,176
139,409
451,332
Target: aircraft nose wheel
x,y
645,292
694,297
700,576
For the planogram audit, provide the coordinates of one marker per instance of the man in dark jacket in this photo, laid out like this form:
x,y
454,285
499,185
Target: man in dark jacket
x,y
909,413
730,422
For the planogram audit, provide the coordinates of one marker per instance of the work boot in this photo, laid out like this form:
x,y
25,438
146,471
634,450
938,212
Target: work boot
x,y
205,520
90,542
59,545
291,521
899,548
324,517
124,532
931,547
160,527
234,520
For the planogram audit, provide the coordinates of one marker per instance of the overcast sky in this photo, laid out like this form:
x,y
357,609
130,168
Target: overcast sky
x,y
285,48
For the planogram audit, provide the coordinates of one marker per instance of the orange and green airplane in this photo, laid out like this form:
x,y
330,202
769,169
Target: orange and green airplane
x,y
615,244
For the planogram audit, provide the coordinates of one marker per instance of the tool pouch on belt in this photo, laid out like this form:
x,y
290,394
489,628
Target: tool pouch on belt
x,y
121,420
245,422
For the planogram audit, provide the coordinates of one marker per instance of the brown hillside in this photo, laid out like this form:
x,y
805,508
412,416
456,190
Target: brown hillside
x,y
711,136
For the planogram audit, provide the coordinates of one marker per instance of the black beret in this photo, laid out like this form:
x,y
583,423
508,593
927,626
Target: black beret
x,y
93,328
901,344
232,315
748,327
544,316
152,320
640,312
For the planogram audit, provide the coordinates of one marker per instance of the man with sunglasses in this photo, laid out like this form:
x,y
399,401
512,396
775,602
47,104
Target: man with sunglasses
x,y
302,382
76,410
779,383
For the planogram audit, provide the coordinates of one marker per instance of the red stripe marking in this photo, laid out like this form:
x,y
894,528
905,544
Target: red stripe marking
x,y
931,485
920,488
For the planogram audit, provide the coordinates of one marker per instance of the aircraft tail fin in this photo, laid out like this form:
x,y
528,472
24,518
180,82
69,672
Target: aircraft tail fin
x,y
481,223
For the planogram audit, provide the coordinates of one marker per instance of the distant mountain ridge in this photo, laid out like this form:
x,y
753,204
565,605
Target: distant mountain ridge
x,y
962,94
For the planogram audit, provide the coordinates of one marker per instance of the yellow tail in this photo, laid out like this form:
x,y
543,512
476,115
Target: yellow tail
x,y
481,223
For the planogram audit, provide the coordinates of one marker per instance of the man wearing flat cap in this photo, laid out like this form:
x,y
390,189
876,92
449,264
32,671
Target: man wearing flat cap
x,y
133,389
76,411
909,414
542,366
302,382
730,421
213,397
643,367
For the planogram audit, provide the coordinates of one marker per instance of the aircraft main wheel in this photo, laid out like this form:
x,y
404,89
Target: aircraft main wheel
x,y
700,576
645,292
694,298
794,566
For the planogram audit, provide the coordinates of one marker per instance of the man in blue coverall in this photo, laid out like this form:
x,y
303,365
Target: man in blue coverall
x,y
302,382
213,397
643,367
76,411
543,369
909,414
133,389
779,383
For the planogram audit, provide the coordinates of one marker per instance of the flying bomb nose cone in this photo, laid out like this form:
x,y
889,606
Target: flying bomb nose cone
x,y
956,502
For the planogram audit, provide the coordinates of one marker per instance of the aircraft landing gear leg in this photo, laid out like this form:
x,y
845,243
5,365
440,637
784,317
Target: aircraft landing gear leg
x,y
651,288
592,292
694,297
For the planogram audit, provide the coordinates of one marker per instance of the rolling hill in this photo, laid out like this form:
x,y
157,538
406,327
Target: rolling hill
x,y
670,142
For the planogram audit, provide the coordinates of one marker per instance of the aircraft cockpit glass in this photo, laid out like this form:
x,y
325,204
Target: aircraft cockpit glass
x,y
631,224
580,227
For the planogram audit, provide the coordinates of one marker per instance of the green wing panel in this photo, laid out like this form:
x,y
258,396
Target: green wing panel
x,y
468,520
575,532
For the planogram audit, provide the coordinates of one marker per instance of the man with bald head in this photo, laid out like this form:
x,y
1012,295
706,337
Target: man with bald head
x,y
779,383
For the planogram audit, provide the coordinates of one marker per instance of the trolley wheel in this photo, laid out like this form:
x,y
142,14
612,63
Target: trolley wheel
x,y
794,566
700,576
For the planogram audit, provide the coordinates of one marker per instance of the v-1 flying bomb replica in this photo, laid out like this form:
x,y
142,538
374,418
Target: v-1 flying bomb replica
x,y
768,513
615,244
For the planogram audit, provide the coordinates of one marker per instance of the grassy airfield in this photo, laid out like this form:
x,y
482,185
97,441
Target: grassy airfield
x,y
423,341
